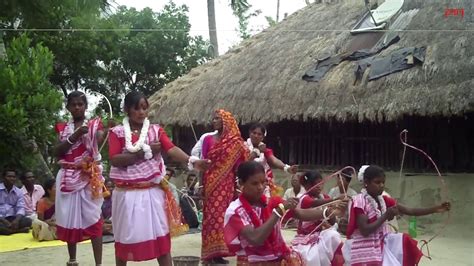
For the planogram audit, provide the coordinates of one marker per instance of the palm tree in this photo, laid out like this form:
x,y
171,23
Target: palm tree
x,y
211,17
278,11
236,5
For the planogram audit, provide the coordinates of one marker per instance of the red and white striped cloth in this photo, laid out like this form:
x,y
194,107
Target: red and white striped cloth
x,y
141,229
316,248
381,247
78,215
145,170
86,146
235,219
306,227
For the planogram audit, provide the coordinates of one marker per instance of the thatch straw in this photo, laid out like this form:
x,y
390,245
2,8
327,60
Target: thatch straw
x,y
261,79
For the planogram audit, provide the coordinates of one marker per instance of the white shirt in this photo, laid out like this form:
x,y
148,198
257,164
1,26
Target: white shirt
x,y
290,193
334,192
197,149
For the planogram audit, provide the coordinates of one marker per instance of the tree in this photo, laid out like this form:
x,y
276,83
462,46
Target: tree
x,y
211,18
147,60
236,5
28,102
271,22
243,13
76,53
108,61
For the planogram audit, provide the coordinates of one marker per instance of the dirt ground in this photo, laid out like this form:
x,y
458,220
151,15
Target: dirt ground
x,y
455,250
454,247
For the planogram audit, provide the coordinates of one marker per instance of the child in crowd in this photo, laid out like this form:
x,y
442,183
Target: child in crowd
x,y
295,191
318,246
343,181
107,228
369,240
79,191
44,227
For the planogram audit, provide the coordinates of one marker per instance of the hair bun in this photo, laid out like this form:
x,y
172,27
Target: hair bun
x,y
360,175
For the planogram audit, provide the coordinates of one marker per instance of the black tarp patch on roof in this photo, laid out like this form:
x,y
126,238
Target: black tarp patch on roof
x,y
325,64
398,60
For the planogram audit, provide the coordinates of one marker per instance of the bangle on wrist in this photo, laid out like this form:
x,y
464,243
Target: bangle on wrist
x,y
286,168
69,141
282,207
325,213
191,161
276,212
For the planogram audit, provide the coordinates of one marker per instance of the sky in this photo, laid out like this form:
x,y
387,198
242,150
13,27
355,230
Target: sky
x,y
227,23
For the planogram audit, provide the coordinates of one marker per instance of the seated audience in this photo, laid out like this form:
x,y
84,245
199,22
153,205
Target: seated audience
x,y
32,193
44,227
12,206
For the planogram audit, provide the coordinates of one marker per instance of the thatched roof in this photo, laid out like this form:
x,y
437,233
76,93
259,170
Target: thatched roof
x,y
261,79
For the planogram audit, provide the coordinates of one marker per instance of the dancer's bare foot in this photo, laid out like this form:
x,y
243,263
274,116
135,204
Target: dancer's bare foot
x,y
72,263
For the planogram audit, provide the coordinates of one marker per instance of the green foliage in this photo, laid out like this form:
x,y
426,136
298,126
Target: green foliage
x,y
239,5
108,61
242,10
76,53
28,101
271,22
150,59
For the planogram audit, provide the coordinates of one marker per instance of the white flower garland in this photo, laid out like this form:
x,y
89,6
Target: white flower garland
x,y
374,204
140,144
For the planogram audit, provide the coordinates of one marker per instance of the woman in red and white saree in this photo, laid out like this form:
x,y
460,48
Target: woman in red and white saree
x,y
226,151
79,182
145,214
370,240
252,230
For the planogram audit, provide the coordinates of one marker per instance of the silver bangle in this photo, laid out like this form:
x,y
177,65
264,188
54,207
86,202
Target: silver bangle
x,y
69,141
324,213
191,161
276,212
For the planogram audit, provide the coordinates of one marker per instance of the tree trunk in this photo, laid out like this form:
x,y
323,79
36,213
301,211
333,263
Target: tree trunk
x,y
211,16
3,52
278,11
40,163
43,166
